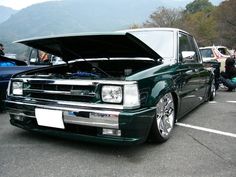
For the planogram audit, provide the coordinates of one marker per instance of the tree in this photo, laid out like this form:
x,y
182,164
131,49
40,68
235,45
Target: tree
x,y
226,19
199,5
201,23
202,26
199,20
164,17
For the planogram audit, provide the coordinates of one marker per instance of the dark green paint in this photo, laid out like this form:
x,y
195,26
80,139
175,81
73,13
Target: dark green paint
x,y
188,82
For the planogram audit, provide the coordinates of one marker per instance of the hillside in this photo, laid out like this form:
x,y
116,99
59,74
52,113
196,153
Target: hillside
x,y
5,13
77,16
74,16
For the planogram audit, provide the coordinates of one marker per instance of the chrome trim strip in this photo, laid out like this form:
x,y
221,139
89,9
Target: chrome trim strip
x,y
112,122
77,82
20,114
72,92
48,91
65,108
70,103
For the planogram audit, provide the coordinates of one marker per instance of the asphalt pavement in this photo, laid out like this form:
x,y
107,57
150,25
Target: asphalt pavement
x,y
202,144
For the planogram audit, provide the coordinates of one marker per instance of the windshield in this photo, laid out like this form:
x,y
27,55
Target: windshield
x,y
206,53
162,42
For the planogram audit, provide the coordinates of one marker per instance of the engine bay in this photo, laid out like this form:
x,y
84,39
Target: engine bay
x,y
95,69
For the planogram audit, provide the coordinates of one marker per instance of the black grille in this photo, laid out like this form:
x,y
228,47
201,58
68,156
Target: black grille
x,y
77,93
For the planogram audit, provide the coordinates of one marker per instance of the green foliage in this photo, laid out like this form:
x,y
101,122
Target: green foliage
x,y
199,19
199,5
202,26
226,23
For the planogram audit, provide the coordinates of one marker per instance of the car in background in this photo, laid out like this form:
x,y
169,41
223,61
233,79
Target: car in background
x,y
215,54
8,67
10,55
121,87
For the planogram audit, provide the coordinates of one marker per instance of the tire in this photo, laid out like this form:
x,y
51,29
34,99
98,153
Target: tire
x,y
2,97
163,122
212,92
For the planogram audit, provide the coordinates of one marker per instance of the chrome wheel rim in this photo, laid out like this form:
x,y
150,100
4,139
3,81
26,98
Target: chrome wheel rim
x,y
165,115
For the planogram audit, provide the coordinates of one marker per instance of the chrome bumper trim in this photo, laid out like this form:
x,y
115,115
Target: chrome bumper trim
x,y
71,103
20,114
110,119
112,122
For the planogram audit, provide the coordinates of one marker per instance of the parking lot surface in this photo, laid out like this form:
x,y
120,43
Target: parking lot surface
x,y
203,144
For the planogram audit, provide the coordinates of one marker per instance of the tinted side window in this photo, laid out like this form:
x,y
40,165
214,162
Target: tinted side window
x,y
33,58
186,44
194,48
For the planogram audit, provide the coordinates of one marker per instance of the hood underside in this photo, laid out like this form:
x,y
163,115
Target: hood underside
x,y
113,45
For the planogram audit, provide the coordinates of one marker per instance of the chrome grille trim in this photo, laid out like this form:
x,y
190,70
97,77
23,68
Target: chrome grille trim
x,y
76,82
75,97
71,93
48,91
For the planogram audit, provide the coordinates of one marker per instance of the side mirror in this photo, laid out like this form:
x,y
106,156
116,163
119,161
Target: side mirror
x,y
188,56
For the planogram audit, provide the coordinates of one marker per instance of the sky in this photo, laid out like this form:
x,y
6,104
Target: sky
x,y
19,4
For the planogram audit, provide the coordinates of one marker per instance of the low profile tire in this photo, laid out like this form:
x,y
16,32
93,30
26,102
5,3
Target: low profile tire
x,y
163,122
212,93
2,97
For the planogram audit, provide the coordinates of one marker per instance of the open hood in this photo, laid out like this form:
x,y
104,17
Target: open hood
x,y
112,45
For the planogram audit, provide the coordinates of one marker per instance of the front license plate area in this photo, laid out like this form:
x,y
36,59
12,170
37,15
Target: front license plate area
x,y
49,118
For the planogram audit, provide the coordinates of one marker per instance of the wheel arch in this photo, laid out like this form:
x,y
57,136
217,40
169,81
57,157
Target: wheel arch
x,y
160,89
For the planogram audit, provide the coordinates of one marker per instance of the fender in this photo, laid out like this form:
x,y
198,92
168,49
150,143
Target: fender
x,y
160,89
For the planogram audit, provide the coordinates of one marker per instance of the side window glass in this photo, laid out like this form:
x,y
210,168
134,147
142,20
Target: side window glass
x,y
194,48
187,51
33,59
38,57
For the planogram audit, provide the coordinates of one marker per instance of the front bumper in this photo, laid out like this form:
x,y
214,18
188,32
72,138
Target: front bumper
x,y
134,125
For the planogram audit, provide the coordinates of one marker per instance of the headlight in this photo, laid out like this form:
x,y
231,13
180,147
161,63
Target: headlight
x,y
17,88
131,96
112,94
128,94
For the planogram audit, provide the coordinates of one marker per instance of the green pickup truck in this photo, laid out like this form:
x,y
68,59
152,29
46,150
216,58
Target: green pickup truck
x,y
121,87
